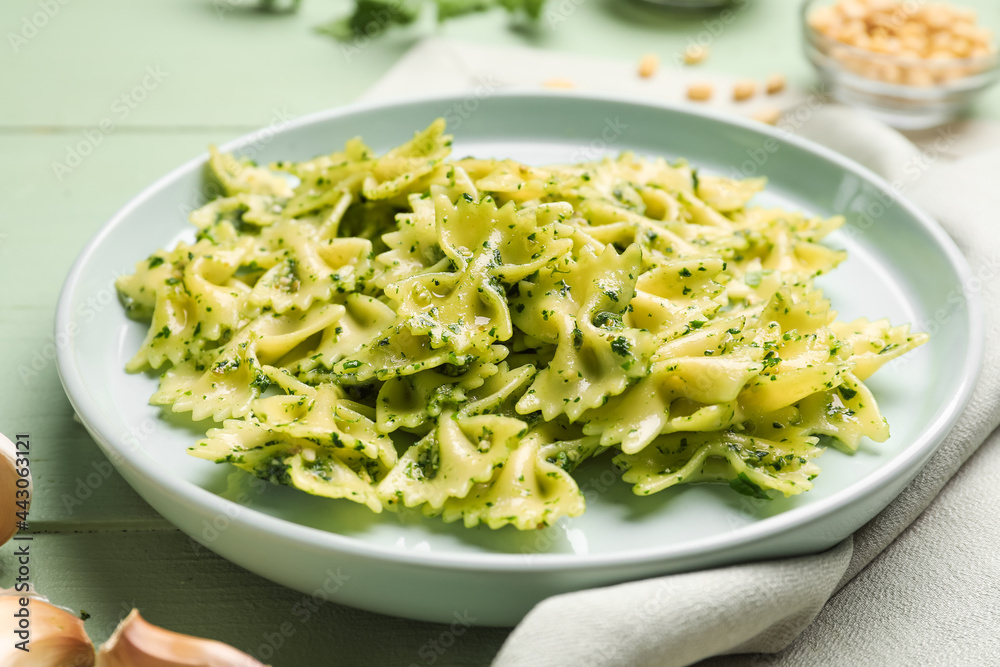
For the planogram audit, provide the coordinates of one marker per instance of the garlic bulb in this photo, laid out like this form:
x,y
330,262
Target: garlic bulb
x,y
54,637
138,643
15,497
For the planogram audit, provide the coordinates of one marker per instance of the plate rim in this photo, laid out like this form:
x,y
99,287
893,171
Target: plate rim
x,y
922,447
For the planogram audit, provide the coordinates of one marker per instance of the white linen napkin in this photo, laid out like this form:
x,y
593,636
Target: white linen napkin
x,y
915,585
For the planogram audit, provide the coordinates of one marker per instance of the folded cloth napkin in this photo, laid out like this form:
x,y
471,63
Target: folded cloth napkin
x,y
915,585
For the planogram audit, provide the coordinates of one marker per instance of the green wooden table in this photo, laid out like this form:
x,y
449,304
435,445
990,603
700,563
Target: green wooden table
x,y
97,99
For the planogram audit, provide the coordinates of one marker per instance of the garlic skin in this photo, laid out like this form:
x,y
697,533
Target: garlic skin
x,y
8,490
138,643
57,637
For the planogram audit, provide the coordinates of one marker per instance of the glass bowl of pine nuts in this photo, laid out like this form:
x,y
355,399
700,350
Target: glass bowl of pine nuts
x,y
913,64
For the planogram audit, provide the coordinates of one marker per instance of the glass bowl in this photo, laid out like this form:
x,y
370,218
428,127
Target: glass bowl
x,y
907,92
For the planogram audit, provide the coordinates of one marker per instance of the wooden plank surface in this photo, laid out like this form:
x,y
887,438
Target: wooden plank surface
x,y
181,585
140,87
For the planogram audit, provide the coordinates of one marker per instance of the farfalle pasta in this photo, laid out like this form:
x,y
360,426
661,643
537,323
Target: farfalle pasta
x,y
410,330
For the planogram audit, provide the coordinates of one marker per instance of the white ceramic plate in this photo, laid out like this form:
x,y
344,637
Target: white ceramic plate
x,y
901,266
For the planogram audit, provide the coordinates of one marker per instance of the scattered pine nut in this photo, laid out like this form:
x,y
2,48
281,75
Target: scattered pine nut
x,y
648,65
700,92
775,84
744,89
695,53
769,115
559,83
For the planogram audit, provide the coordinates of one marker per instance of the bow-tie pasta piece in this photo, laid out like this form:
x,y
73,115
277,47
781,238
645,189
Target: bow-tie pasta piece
x,y
491,248
284,459
223,382
400,169
326,416
677,296
693,386
500,391
528,492
413,245
244,176
242,211
752,464
310,270
789,243
803,359
726,194
363,319
191,295
874,344
660,242
510,181
408,401
579,305
846,413
456,454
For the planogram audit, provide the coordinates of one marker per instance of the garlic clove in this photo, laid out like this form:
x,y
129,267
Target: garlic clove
x,y
10,492
55,637
138,643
